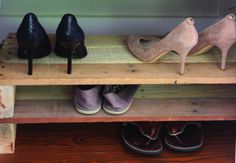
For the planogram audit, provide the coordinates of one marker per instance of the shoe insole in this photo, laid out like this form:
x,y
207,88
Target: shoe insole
x,y
204,50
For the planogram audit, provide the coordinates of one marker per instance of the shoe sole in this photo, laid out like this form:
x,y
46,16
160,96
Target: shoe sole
x,y
181,149
83,110
115,112
140,151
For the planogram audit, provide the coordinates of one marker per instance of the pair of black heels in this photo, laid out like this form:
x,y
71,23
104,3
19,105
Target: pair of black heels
x,y
34,42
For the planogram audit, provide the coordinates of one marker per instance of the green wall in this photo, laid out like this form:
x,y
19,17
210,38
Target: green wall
x,y
118,17
113,8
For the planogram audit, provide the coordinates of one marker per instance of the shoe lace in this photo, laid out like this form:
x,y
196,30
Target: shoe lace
x,y
113,88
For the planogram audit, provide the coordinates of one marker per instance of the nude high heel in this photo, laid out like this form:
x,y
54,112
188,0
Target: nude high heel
x,y
181,40
222,34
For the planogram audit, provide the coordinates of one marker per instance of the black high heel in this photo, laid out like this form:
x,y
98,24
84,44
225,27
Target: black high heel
x,y
70,40
70,49
32,40
29,49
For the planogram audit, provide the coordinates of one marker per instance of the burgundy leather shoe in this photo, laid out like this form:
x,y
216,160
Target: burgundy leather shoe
x,y
142,138
184,137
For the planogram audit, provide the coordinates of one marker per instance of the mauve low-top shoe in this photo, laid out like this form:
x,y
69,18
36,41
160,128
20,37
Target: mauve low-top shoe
x,y
118,98
184,137
87,99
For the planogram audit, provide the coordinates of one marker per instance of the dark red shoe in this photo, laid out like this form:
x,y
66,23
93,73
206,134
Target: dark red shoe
x,y
142,138
184,137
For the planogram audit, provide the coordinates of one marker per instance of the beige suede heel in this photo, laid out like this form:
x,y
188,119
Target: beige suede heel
x,y
222,34
181,40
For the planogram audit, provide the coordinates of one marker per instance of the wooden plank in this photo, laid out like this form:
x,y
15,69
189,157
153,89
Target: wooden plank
x,y
99,142
145,91
7,101
100,68
7,138
15,74
105,50
37,111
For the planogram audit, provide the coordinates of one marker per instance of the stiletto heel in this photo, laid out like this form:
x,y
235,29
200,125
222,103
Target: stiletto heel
x,y
183,55
30,64
181,39
224,52
29,48
33,40
182,62
70,48
70,40
222,34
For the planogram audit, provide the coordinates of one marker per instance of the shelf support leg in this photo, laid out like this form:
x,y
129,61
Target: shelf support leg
x,y
8,130
7,138
7,101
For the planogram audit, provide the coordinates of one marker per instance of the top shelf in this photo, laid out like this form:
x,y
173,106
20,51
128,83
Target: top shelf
x,y
110,62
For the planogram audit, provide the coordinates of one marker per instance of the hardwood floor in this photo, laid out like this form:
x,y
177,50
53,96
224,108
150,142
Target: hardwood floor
x,y
101,142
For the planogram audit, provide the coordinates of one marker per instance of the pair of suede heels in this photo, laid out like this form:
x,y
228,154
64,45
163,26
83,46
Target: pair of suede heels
x,y
150,137
184,40
34,42
114,99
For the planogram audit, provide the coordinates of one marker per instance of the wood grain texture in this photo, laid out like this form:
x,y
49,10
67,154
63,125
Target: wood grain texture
x,y
144,91
102,69
102,143
7,101
36,111
107,49
7,138
15,74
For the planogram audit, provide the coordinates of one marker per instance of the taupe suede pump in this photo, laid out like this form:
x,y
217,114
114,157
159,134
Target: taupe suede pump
x,y
222,34
181,40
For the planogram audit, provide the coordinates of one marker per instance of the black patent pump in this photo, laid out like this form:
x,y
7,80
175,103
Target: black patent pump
x,y
32,40
70,40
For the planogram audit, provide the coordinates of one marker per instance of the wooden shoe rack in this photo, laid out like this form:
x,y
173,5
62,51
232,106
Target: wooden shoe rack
x,y
204,93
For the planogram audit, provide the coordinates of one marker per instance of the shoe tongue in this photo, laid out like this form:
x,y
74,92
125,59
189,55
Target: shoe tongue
x,y
176,128
113,88
150,129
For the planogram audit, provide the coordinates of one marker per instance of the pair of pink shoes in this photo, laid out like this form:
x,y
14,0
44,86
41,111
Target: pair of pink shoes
x,y
185,40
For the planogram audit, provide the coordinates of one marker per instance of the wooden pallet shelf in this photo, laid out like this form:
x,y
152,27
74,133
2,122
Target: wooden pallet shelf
x,y
62,111
110,62
208,94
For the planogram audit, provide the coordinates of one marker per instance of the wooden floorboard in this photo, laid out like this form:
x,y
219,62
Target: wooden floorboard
x,y
77,143
62,111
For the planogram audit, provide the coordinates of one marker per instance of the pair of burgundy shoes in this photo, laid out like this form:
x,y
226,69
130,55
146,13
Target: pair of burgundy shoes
x,y
114,99
149,137
33,40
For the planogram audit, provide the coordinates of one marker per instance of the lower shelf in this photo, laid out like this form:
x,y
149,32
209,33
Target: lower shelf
x,y
50,143
59,111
